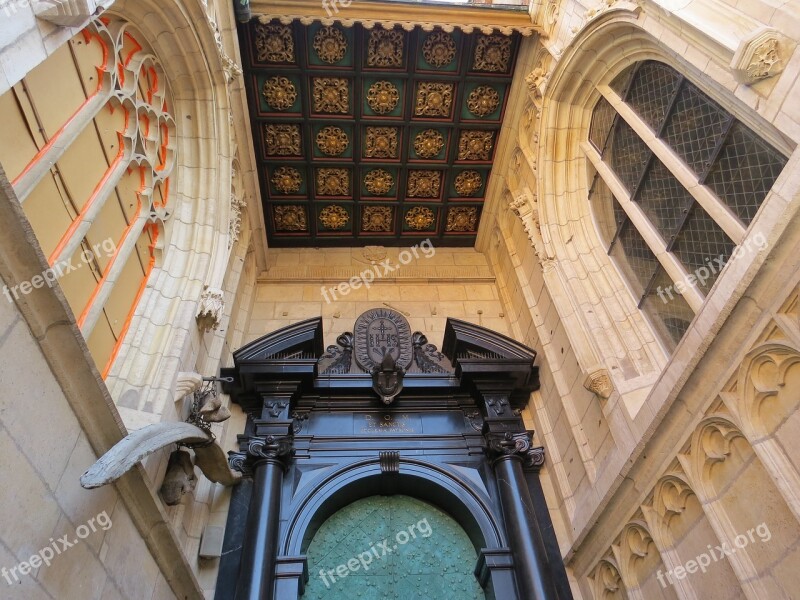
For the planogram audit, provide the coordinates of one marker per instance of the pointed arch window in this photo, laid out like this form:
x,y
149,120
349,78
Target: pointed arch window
x,y
677,181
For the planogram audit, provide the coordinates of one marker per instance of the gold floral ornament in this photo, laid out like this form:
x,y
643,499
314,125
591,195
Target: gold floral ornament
x,y
483,101
331,95
287,180
462,218
290,218
274,43
439,49
382,142
468,183
420,218
378,182
282,140
428,143
333,182
382,97
376,218
334,217
385,48
332,141
424,184
434,99
280,93
330,44
492,53
475,145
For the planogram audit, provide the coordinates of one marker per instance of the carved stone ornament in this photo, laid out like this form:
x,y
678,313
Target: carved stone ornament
x,y
475,145
383,348
483,100
271,447
434,99
599,382
334,217
377,218
187,383
330,44
331,95
287,180
426,356
279,93
420,218
385,48
382,97
274,43
378,182
381,142
235,222
492,53
282,140
424,184
462,219
468,183
428,143
439,49
290,218
374,253
333,182
209,312
761,54
339,356
332,141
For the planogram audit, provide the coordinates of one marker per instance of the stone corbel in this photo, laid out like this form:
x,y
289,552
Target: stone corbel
x,y
69,13
598,381
186,384
760,55
212,305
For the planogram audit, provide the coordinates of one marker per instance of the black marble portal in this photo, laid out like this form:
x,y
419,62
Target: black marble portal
x,y
453,437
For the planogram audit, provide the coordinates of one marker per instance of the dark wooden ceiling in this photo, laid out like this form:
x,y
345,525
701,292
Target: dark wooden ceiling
x,y
374,136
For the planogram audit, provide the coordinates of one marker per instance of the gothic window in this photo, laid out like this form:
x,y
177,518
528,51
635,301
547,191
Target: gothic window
x,y
677,181
88,144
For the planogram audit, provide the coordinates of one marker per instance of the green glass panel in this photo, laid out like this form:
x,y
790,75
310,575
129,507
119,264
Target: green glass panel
x,y
391,548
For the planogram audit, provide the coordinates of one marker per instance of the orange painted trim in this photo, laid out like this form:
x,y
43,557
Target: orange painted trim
x,y
121,241
151,264
87,35
137,47
93,198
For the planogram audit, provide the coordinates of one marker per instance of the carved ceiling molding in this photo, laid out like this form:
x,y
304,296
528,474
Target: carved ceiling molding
x,y
407,25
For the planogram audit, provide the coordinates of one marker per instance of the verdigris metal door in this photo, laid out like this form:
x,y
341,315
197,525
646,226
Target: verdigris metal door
x,y
391,548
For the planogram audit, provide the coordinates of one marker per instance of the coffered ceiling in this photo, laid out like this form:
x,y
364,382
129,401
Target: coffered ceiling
x,y
374,136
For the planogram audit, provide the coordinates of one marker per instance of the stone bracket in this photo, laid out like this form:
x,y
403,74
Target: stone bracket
x,y
69,13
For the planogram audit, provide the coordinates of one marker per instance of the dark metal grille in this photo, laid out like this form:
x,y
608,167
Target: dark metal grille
x,y
695,127
602,119
628,155
635,258
745,171
701,246
668,310
663,199
651,93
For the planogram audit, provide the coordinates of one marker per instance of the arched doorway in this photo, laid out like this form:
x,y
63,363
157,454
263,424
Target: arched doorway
x,y
391,547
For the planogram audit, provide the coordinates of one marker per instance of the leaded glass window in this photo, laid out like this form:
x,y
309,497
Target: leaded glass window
x,y
736,167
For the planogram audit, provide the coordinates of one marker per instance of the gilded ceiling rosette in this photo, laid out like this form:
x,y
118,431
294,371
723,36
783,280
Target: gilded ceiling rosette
x,y
332,141
483,100
378,182
290,218
439,49
377,218
475,145
282,140
274,43
287,180
385,48
420,218
434,99
382,97
330,44
424,184
428,143
333,182
381,142
334,217
492,53
468,183
331,95
462,218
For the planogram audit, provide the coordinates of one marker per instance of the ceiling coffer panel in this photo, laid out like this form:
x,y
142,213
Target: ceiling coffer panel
x,y
374,136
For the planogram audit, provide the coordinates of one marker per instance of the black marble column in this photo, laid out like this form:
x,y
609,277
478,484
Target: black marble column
x,y
510,451
260,545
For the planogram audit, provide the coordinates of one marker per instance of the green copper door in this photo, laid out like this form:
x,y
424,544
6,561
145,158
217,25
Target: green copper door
x,y
391,548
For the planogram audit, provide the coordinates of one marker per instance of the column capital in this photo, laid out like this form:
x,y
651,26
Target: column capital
x,y
254,450
519,445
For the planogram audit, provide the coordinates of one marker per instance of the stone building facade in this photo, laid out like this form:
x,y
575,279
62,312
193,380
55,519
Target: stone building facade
x,y
669,420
